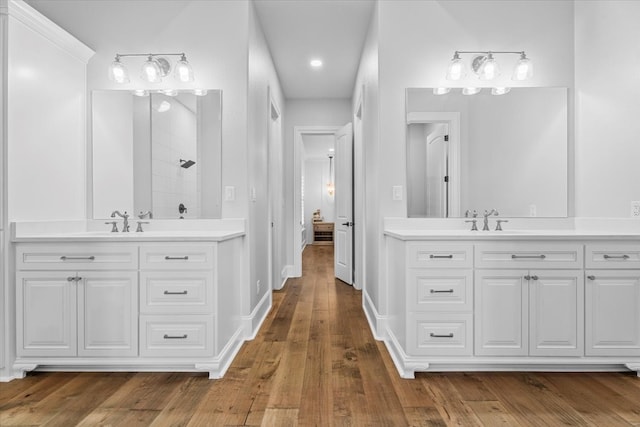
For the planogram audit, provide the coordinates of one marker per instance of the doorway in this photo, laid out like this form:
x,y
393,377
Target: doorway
x,y
275,185
300,222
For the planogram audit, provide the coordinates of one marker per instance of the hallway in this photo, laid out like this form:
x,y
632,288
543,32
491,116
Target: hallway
x,y
315,363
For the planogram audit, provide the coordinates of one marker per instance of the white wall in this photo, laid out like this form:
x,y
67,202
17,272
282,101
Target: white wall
x,y
45,125
263,83
607,107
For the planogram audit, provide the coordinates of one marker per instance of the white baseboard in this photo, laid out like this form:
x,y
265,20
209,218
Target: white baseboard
x,y
377,322
254,321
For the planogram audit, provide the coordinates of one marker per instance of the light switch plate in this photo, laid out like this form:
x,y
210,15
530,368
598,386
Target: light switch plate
x,y
635,209
229,193
397,192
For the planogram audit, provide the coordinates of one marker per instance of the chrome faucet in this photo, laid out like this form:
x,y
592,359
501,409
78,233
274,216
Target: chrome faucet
x,y
125,217
487,214
142,215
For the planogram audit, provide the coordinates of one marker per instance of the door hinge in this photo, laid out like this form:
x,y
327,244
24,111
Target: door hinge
x,y
446,178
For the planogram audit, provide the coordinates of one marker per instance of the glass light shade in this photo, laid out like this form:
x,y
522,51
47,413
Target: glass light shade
x,y
500,90
471,90
118,72
331,189
523,69
183,70
456,70
151,71
489,69
441,90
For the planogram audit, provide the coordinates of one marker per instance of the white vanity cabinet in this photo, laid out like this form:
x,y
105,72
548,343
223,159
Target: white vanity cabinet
x,y
69,304
139,305
510,303
612,300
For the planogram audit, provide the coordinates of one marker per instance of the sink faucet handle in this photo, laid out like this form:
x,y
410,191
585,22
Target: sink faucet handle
x,y
139,228
499,224
474,224
142,215
114,226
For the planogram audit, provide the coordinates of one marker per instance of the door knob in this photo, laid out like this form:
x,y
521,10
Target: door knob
x,y
348,224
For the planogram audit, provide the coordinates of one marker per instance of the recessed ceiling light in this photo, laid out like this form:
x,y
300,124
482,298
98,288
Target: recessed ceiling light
x,y
316,63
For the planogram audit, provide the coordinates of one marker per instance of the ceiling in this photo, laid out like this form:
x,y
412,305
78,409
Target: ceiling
x,y
333,30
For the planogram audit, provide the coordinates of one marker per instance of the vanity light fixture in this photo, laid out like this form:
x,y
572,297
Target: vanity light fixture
x,y
500,90
471,90
331,189
441,90
486,67
154,68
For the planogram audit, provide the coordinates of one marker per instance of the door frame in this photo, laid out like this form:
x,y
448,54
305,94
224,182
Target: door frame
x,y
296,226
359,212
274,114
453,121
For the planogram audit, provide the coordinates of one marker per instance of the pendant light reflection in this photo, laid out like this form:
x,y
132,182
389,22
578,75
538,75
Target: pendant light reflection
x,y
471,90
441,90
331,189
500,90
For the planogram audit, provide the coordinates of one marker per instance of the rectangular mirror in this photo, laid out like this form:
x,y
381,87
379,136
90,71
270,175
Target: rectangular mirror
x,y
483,151
157,153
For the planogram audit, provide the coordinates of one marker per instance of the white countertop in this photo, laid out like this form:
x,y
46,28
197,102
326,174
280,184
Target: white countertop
x,y
515,229
156,230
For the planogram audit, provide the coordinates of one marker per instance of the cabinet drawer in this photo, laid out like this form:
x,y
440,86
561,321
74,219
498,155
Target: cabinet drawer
x,y
440,290
323,227
440,334
176,292
529,255
439,255
181,336
176,257
76,257
617,255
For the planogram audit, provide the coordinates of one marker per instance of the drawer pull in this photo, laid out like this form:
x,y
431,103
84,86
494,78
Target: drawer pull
x,y
440,256
527,277
625,256
175,337
591,277
73,279
441,291
432,335
175,293
69,258
541,256
186,257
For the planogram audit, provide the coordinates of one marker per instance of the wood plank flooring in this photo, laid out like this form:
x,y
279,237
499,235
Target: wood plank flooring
x,y
315,363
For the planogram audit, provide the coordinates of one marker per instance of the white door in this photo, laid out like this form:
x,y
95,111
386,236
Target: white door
x,y
438,173
108,313
501,316
343,229
46,313
276,197
556,303
612,313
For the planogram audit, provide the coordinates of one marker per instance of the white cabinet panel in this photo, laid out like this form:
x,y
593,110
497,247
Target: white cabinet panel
x,y
528,255
107,314
442,334
176,257
439,255
612,313
501,313
46,314
185,292
618,255
76,257
556,302
183,336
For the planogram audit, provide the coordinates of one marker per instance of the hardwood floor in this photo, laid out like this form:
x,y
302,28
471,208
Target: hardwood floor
x,y
315,363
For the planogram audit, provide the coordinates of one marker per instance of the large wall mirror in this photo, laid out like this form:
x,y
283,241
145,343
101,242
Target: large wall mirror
x,y
159,153
483,151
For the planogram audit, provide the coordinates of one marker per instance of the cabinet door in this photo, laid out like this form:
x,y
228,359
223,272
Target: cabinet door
x,y
107,314
501,313
46,314
612,313
556,304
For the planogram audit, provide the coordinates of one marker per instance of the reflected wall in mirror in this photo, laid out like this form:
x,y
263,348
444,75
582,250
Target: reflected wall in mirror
x,y
477,152
157,153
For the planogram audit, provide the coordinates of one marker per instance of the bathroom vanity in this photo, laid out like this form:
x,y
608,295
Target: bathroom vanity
x,y
159,300
552,300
